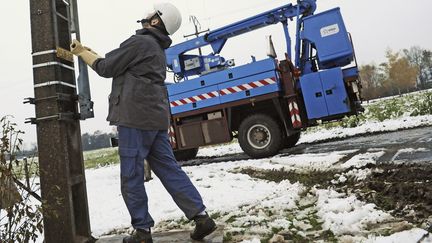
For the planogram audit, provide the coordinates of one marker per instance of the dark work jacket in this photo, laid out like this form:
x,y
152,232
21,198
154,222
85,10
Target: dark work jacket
x,y
139,96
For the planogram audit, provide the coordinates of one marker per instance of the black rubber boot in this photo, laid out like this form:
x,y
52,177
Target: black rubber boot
x,y
204,225
139,236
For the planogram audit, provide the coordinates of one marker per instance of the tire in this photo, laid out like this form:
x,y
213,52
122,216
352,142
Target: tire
x,y
260,136
185,155
292,140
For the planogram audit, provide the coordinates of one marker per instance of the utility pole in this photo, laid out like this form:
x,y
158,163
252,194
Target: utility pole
x,y
62,178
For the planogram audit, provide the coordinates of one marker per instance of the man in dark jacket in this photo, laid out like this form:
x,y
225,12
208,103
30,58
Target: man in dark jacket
x,y
138,106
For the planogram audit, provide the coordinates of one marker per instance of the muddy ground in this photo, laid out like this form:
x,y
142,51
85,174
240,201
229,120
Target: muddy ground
x,y
403,190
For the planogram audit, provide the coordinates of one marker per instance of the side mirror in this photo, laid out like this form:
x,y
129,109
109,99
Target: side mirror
x,y
270,48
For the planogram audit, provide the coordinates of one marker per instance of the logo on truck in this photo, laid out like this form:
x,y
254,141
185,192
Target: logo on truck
x,y
329,30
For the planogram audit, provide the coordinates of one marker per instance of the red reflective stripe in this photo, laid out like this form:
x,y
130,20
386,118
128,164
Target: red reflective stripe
x,y
253,85
242,87
294,112
227,91
212,95
231,90
297,124
264,82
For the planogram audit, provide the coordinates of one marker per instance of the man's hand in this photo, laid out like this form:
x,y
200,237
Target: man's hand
x,y
87,54
77,48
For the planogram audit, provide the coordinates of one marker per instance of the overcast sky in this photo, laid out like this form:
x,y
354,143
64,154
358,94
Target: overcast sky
x,y
375,26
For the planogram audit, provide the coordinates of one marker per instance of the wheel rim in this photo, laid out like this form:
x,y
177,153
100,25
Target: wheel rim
x,y
259,136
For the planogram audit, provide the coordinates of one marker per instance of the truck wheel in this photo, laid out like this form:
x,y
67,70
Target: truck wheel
x,y
292,140
187,154
260,136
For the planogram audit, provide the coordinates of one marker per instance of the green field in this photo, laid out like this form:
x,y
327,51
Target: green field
x,y
101,157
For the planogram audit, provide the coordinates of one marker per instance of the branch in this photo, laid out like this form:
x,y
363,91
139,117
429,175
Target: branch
x,y
28,190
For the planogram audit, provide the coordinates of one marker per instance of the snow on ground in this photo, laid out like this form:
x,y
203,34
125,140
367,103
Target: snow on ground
x,y
318,161
362,160
252,206
345,215
404,236
215,151
369,127
408,151
223,191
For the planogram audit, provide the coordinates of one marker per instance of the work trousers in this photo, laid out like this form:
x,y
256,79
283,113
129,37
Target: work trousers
x,y
137,145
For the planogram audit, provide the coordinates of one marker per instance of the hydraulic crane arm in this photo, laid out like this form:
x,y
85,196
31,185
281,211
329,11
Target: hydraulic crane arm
x,y
277,15
218,37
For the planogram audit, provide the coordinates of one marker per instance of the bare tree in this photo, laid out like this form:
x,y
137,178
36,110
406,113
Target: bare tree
x,y
422,60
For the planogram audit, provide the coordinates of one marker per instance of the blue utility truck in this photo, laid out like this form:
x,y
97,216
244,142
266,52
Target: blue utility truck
x,y
265,103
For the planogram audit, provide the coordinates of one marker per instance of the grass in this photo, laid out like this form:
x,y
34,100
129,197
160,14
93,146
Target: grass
x,y
227,237
310,178
92,159
100,158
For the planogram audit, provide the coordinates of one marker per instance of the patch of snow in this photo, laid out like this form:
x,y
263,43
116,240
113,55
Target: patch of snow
x,y
413,150
216,151
255,240
280,223
318,161
341,179
359,174
301,225
408,236
361,160
409,151
368,127
299,162
346,214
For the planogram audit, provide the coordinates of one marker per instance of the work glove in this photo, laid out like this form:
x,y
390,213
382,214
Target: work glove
x,y
87,54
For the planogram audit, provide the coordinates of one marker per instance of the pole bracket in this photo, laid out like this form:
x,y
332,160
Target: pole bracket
x,y
58,117
57,97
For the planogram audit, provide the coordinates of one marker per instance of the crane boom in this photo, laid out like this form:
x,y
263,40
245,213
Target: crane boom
x,y
217,38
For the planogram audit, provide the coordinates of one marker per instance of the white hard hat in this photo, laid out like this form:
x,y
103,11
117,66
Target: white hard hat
x,y
148,13
170,16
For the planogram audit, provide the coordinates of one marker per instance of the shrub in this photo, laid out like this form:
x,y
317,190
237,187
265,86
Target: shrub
x,y
20,219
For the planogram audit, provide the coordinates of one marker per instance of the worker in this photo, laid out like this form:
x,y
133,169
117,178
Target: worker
x,y
138,106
